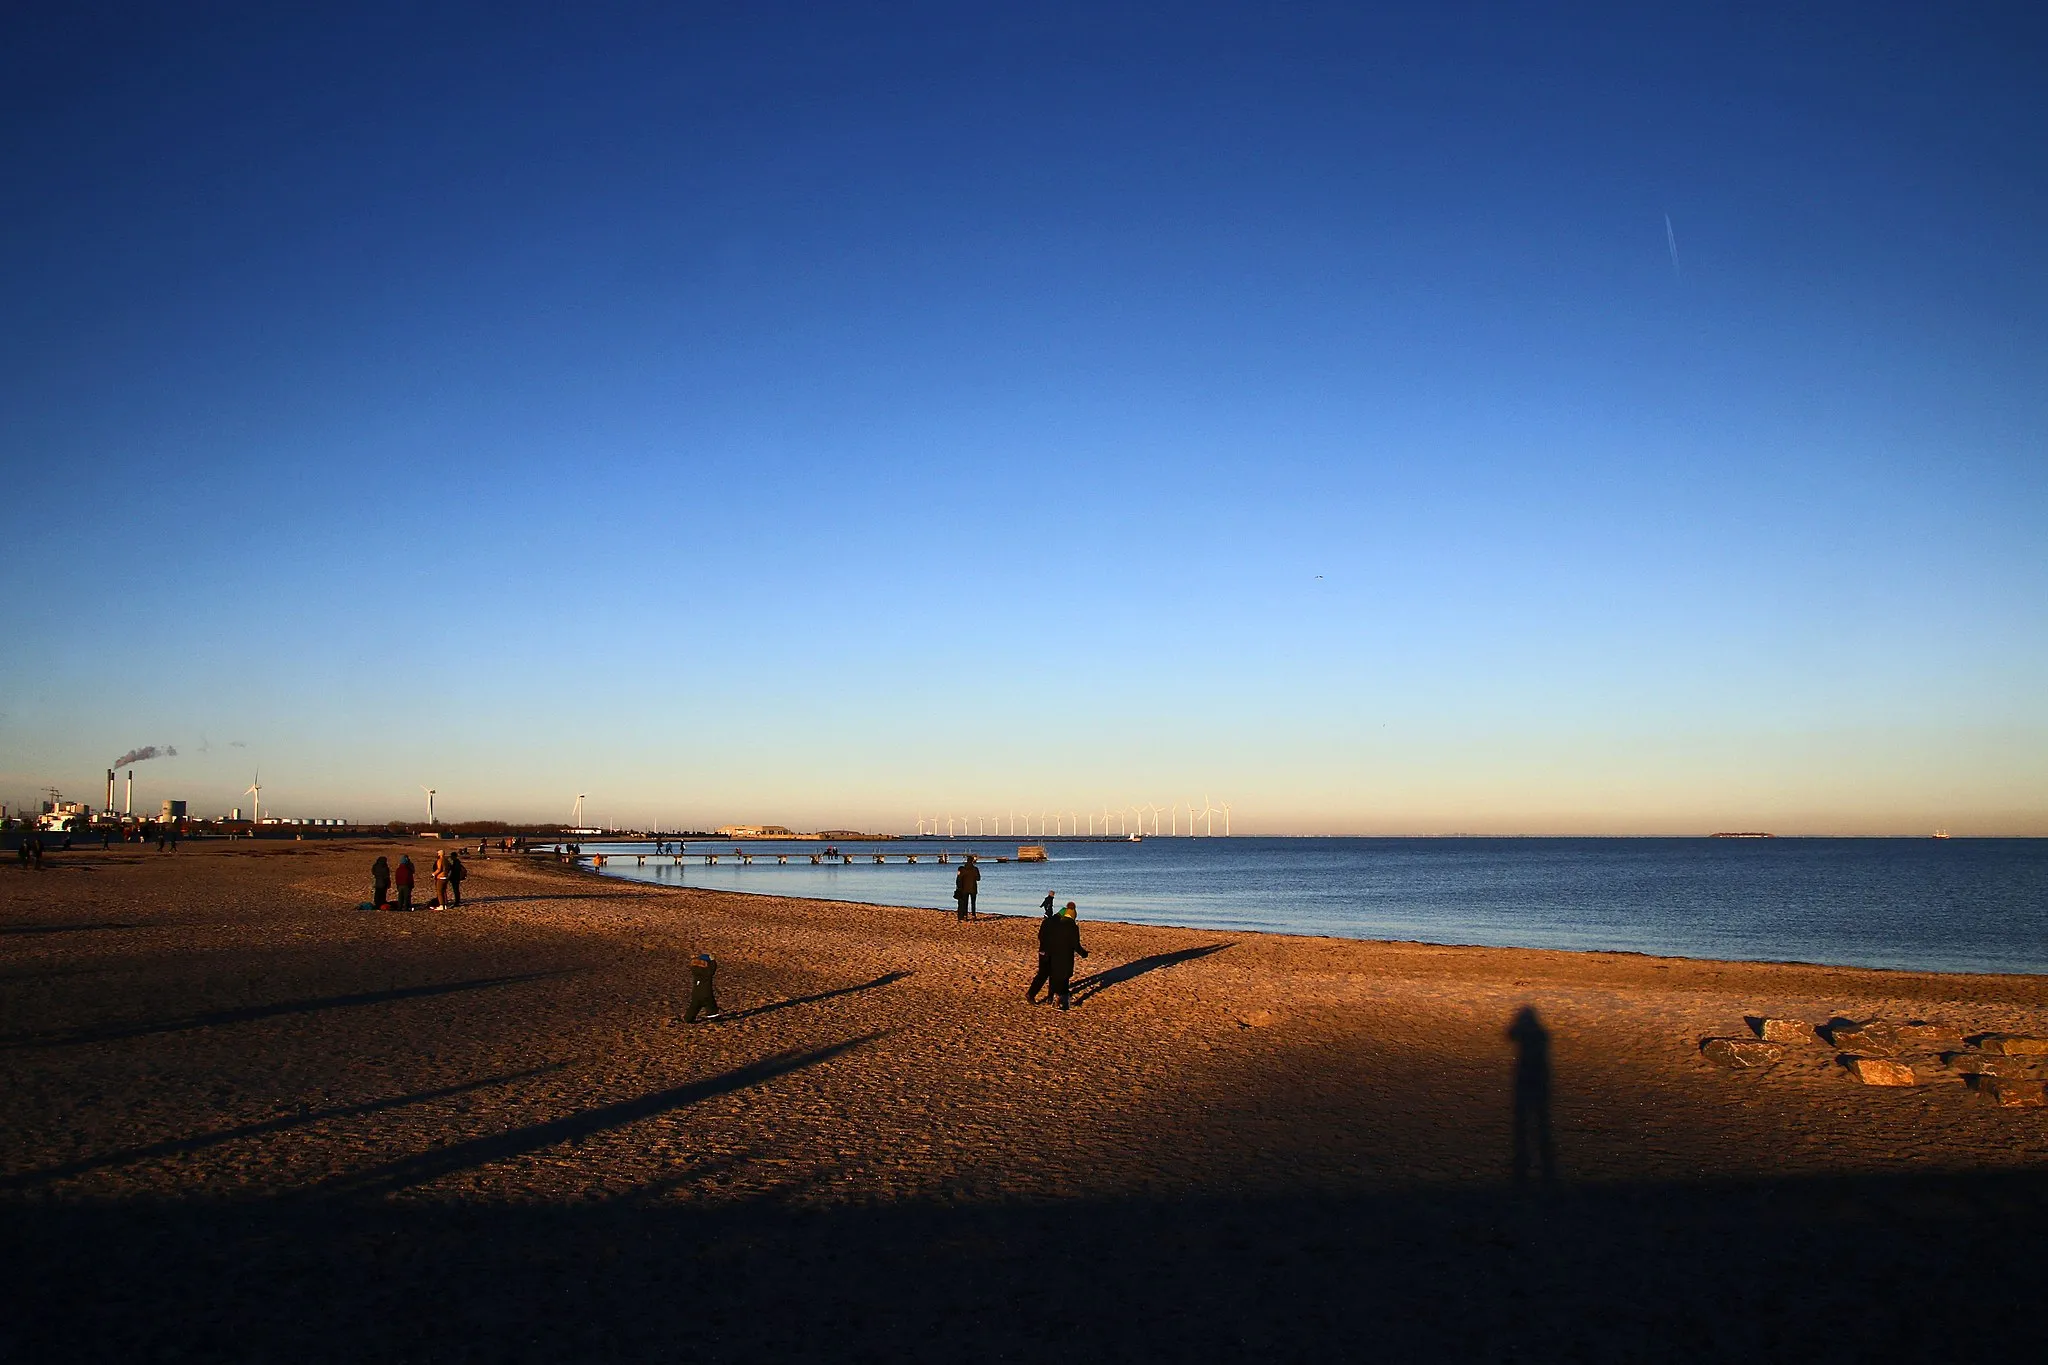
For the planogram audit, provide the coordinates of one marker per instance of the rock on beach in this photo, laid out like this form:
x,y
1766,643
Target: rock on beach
x,y
1773,1030
1882,1071
1741,1052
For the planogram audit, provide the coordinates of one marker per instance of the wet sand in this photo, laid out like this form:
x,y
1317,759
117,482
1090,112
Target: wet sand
x,y
245,1120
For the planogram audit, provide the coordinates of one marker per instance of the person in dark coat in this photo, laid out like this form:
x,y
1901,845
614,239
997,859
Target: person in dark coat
x,y
401,881
1046,932
456,872
963,889
1060,947
703,989
970,878
380,881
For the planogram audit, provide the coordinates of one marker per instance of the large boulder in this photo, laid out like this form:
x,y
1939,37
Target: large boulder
x,y
1874,1038
1993,1064
1921,1036
2013,1094
2014,1044
1881,1071
1740,1052
1773,1030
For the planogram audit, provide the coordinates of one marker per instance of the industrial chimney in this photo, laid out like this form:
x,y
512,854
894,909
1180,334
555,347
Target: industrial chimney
x,y
128,806
109,807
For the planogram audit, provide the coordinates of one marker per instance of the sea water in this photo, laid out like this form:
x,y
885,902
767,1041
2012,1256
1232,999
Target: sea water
x,y
1963,905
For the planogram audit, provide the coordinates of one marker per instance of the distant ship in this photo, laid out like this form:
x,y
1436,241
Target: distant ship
x,y
1744,834
1941,834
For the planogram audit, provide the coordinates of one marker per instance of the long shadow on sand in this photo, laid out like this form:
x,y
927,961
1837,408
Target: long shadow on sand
x,y
1813,1271
201,1141
250,1013
12,929
462,1156
468,901
1101,981
754,1011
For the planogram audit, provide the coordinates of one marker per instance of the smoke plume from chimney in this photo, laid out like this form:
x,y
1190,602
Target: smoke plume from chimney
x,y
146,751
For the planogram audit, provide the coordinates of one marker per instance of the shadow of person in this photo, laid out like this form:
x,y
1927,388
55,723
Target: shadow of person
x,y
1532,1097
1098,982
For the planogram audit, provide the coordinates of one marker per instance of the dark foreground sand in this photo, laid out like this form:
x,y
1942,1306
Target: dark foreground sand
x,y
243,1120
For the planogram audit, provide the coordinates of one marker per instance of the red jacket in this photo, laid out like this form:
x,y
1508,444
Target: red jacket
x,y
402,874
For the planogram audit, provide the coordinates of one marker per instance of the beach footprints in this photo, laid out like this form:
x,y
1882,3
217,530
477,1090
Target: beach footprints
x,y
2007,1069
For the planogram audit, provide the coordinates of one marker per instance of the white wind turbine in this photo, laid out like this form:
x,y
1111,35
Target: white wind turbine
x,y
255,791
430,803
1226,819
1192,817
576,817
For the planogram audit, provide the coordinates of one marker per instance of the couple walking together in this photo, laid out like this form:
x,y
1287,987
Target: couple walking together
x,y
1059,941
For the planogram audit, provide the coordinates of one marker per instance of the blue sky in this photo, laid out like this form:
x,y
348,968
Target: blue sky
x,y
818,419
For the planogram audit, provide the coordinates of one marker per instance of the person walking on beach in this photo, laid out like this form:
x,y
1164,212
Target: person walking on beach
x,y
401,880
380,881
1061,945
1045,937
456,872
963,892
703,989
441,877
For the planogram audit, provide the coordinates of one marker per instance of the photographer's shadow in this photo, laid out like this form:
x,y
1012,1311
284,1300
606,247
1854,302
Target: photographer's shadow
x,y
1532,1098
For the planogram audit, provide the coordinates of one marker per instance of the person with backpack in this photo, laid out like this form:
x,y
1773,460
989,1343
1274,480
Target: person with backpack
x,y
380,881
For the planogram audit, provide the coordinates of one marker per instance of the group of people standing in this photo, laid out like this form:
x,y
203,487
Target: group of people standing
x,y
385,880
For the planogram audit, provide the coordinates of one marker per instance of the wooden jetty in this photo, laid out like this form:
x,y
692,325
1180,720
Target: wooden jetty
x,y
838,859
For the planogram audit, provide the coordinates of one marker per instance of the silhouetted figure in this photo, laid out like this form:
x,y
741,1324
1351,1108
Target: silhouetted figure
x,y
401,881
1532,1096
970,875
1045,933
456,872
1060,940
380,881
703,989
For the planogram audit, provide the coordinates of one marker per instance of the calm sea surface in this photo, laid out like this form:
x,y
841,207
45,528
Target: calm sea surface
x,y
1965,905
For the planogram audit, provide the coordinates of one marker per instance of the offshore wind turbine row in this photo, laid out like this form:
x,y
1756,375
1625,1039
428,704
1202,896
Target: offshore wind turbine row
x,y
1127,821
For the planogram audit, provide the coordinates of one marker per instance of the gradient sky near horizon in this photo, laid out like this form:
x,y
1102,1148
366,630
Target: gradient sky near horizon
x,y
1609,419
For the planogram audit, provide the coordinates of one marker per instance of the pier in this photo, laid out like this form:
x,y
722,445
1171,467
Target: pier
x,y
746,859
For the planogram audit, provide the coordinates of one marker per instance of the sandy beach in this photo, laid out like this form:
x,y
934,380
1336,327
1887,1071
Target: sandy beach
x,y
244,1119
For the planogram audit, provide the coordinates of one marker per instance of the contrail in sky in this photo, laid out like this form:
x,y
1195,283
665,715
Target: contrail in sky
x,y
1671,240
